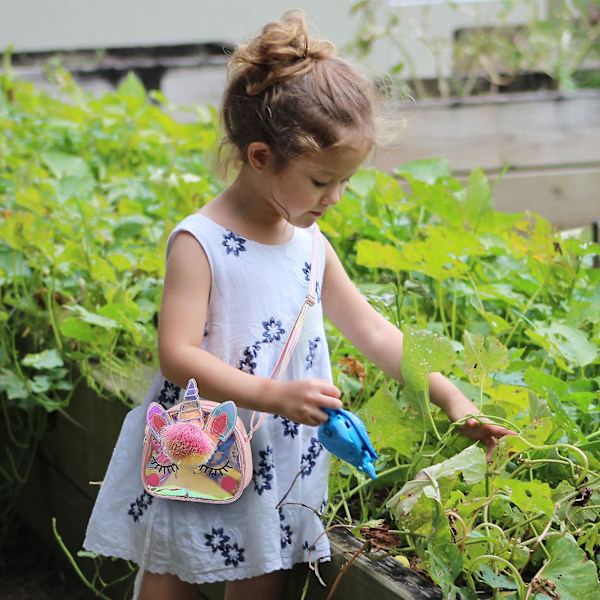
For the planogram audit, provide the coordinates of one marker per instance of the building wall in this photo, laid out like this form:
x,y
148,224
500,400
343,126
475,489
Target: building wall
x,y
36,25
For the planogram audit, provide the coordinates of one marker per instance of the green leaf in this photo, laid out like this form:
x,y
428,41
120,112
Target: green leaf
x,y
424,353
12,385
553,390
12,264
77,329
62,165
528,496
389,425
93,318
565,342
48,359
471,462
496,581
483,355
132,87
428,170
573,575
375,255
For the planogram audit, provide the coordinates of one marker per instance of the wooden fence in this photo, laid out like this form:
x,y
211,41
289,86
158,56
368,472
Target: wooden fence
x,y
548,143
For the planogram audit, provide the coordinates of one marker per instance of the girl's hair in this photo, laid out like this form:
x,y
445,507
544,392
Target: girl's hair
x,y
289,91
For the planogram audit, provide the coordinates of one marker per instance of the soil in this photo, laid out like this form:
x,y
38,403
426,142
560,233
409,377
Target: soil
x,y
30,571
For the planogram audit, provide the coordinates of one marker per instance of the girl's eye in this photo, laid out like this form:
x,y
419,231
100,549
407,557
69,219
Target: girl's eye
x,y
319,183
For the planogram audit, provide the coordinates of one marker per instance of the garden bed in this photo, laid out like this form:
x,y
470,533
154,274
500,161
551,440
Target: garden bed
x,y
72,460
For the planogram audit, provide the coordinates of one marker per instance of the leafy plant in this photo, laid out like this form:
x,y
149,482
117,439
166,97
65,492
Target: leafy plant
x,y
558,39
89,191
504,305
507,308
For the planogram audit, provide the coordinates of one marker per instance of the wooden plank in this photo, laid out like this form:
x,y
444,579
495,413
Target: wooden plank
x,y
525,131
384,579
568,198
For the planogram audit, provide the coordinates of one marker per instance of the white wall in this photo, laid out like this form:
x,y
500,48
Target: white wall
x,y
89,24
75,24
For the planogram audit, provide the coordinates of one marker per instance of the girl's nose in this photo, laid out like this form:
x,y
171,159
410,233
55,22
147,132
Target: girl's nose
x,y
333,196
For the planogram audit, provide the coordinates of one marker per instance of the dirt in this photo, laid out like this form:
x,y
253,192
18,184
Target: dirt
x,y
30,571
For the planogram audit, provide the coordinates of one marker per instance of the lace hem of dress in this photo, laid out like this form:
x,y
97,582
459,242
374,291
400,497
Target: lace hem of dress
x,y
217,575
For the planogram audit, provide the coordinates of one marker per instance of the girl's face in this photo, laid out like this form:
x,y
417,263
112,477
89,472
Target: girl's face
x,y
309,186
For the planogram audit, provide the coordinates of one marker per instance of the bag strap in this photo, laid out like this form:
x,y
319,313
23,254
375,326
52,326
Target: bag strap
x,y
294,335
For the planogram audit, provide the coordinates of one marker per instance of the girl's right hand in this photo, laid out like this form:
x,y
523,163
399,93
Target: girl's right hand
x,y
301,400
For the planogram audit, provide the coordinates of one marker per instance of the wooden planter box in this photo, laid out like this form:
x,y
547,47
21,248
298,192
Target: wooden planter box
x,y
71,456
549,141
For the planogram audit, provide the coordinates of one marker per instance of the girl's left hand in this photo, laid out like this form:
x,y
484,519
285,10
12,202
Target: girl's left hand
x,y
486,432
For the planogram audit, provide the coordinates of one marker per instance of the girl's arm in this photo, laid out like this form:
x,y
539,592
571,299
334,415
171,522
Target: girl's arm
x,y
381,342
181,328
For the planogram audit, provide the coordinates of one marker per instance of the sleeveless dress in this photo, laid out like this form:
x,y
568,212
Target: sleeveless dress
x,y
256,293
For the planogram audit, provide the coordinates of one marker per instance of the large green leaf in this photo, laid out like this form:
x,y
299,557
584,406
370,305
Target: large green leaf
x,y
568,345
528,496
569,574
62,165
389,425
471,462
428,170
483,355
48,359
425,353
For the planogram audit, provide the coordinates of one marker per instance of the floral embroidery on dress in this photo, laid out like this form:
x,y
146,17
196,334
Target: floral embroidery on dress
x,y
233,555
234,243
309,460
306,271
262,477
247,363
273,330
285,531
216,540
289,427
139,505
312,349
169,393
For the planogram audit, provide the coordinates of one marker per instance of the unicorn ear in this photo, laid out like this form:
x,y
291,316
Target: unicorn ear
x,y
221,421
157,417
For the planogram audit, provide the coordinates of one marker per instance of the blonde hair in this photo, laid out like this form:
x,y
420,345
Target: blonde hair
x,y
291,92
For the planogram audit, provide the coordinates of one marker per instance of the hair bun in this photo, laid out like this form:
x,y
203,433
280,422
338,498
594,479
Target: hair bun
x,y
281,51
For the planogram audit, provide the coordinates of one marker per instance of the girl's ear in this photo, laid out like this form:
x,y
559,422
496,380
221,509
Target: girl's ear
x,y
260,156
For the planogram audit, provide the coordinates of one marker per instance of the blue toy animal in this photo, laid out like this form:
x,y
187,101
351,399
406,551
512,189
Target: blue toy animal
x,y
346,437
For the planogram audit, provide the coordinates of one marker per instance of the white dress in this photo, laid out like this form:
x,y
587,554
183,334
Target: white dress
x,y
256,293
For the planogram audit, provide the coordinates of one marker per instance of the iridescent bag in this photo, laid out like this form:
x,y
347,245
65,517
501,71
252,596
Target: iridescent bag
x,y
199,450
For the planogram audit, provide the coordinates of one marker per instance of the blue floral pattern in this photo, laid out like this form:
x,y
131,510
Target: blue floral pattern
x,y
247,363
139,505
306,271
233,555
289,427
262,477
273,330
309,460
312,349
234,243
217,541
169,394
285,531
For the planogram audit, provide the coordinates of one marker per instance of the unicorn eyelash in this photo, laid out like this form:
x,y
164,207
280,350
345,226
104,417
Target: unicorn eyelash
x,y
172,468
210,471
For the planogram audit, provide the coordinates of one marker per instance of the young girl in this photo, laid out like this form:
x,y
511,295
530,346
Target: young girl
x,y
300,122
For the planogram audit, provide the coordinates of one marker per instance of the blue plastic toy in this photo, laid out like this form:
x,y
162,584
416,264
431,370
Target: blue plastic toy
x,y
346,437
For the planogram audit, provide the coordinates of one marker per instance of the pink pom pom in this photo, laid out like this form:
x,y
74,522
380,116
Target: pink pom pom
x,y
187,443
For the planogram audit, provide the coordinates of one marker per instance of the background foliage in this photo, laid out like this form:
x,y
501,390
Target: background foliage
x,y
504,305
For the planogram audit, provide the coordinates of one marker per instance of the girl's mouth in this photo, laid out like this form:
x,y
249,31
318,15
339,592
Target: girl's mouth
x,y
314,213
